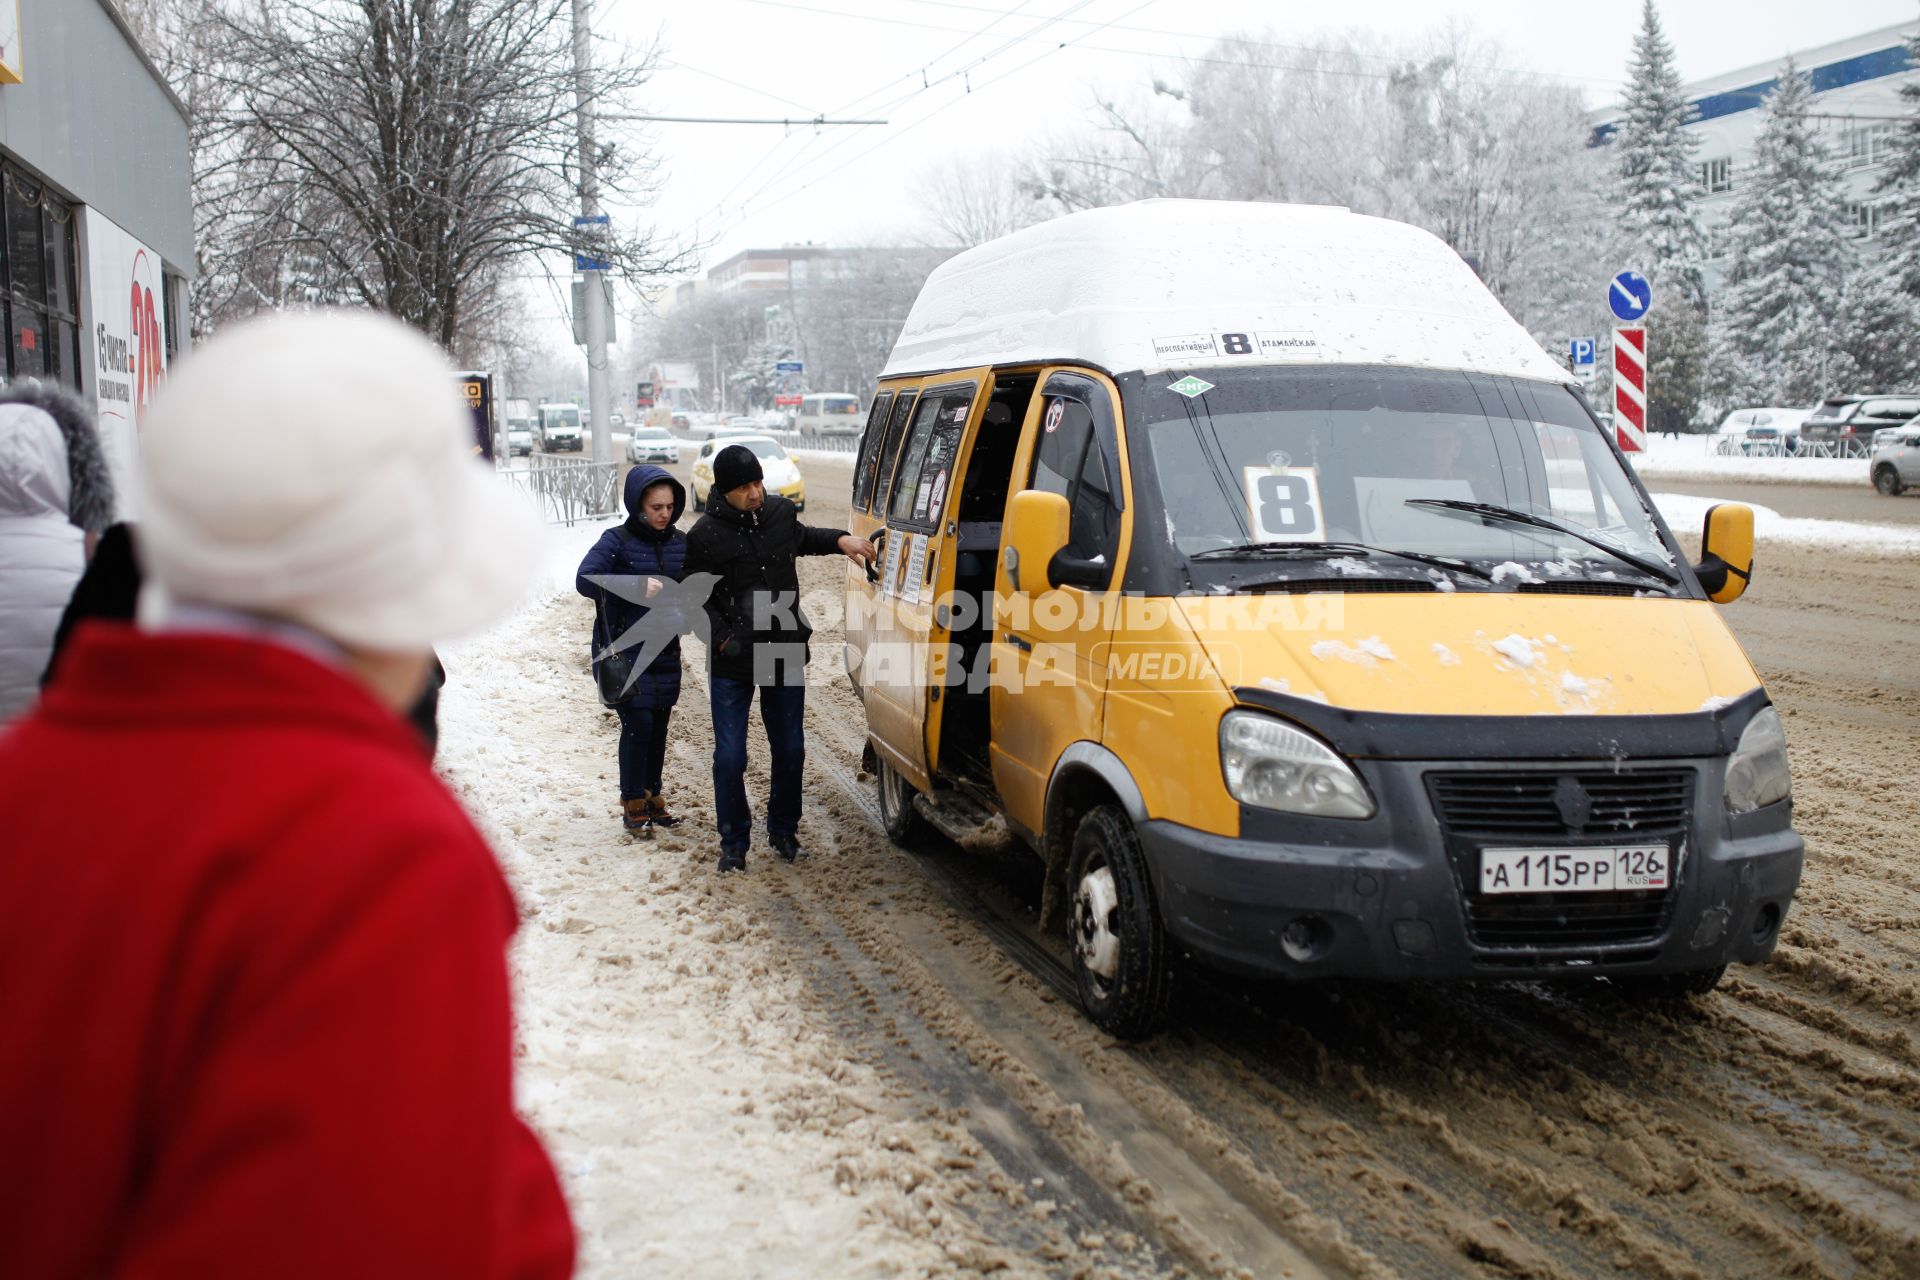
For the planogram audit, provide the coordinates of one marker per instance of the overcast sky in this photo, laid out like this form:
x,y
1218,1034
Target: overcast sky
x,y
740,186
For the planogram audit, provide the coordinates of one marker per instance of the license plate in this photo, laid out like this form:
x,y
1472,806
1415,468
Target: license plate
x,y
1619,869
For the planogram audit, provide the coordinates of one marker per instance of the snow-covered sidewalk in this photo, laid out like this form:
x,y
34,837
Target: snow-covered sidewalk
x,y
704,1116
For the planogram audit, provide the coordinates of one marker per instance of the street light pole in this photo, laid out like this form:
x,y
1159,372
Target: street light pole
x,y
593,240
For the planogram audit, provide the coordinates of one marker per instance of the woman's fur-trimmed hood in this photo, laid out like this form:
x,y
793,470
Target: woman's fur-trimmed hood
x,y
90,504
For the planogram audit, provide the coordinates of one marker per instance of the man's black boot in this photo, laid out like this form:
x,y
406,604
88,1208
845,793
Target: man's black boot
x,y
787,847
733,860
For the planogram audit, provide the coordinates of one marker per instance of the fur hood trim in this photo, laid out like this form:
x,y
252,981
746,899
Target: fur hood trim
x,y
91,505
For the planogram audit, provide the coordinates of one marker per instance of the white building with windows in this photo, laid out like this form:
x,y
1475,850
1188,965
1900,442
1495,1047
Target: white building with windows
x,y
1856,108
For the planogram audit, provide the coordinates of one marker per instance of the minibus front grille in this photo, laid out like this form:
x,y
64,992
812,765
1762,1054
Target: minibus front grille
x,y
1566,920
1492,805
1492,809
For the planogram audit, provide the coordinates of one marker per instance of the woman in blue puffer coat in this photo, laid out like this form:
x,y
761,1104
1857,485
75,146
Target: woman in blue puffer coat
x,y
646,552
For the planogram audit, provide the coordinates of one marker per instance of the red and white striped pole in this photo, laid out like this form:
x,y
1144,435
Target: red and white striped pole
x,y
1630,389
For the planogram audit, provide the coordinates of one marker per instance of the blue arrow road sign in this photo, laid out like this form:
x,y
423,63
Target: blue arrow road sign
x,y
1581,349
1629,295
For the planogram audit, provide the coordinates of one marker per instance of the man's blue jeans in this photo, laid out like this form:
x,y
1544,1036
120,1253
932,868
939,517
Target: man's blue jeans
x,y
783,708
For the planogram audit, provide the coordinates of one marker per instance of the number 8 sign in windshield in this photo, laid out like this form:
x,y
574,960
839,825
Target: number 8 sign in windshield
x,y
1285,504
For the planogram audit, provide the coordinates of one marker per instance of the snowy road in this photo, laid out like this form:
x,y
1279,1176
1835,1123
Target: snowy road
x,y
869,1063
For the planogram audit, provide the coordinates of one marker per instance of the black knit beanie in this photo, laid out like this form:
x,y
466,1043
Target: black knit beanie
x,y
734,466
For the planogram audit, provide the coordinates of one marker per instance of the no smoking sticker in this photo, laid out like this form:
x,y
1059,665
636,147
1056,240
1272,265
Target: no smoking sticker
x,y
1056,413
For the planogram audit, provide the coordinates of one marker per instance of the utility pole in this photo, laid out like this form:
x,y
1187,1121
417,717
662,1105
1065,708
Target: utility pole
x,y
593,239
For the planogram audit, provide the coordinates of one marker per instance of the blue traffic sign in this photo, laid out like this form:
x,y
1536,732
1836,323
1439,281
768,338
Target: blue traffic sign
x,y
1581,352
789,366
1629,295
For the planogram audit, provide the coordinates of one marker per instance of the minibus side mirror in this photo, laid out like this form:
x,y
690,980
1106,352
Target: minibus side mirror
x,y
1726,552
1037,525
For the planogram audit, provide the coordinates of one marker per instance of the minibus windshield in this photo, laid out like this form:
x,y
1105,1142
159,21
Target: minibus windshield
x,y
1510,480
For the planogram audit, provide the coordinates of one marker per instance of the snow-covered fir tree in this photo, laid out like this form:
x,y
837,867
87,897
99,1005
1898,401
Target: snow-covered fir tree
x,y
1874,331
1900,224
1658,183
1787,259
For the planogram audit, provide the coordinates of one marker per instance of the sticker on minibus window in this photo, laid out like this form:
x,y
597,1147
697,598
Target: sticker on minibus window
x,y
939,492
893,565
916,570
1056,414
1285,504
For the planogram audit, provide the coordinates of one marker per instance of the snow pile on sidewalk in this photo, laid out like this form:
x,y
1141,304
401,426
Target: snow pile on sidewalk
x,y
1686,512
1693,458
704,1119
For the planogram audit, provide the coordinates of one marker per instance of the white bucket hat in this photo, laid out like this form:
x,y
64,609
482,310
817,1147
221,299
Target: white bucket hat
x,y
317,466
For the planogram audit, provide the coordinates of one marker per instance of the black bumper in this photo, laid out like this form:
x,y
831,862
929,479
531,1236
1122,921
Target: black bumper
x,y
1395,896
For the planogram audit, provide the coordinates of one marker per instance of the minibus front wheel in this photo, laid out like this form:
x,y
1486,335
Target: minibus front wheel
x,y
1120,950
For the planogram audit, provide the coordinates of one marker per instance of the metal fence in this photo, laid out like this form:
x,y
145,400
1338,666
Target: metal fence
x,y
566,490
1733,448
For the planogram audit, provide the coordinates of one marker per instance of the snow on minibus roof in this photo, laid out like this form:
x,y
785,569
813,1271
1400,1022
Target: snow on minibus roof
x,y
1174,284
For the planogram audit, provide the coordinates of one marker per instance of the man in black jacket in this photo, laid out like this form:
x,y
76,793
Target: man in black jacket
x,y
749,539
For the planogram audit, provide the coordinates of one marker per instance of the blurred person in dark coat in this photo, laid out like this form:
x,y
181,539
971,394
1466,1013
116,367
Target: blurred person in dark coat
x,y
628,570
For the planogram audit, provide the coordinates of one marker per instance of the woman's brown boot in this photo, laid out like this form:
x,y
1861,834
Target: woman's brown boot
x,y
657,811
636,816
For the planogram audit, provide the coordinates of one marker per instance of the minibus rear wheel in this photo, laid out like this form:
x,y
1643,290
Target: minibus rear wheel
x,y
1119,947
904,825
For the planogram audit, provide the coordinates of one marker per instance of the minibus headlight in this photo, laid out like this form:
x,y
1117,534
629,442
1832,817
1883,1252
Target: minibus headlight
x,y
1757,769
1272,765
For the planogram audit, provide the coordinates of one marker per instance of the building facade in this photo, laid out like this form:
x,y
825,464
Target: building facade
x,y
97,206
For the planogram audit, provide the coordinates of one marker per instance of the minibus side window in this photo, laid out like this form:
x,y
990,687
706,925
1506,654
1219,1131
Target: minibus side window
x,y
890,450
870,445
1070,460
926,464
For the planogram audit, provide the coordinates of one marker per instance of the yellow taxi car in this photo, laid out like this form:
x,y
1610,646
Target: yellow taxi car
x,y
1255,568
781,473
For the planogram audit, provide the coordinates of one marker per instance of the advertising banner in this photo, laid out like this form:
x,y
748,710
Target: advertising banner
x,y
124,289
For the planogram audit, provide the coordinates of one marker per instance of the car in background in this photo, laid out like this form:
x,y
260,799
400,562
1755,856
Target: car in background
x,y
560,428
1847,423
830,414
1895,463
778,469
1764,430
652,444
519,439
616,419
681,421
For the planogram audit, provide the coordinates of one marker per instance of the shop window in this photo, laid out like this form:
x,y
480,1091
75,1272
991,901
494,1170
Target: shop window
x,y
42,282
1716,176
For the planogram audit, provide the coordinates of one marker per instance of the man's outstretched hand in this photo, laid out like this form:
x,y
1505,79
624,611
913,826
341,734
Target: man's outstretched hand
x,y
858,550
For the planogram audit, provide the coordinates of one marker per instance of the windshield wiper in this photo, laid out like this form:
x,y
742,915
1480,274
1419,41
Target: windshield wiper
x,y
1491,511
1322,550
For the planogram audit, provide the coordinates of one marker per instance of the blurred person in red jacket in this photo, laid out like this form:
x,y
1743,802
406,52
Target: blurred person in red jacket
x,y
253,982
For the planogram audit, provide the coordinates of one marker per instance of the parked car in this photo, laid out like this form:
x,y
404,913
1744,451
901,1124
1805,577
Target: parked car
x,y
1896,460
1848,422
1763,430
781,474
652,444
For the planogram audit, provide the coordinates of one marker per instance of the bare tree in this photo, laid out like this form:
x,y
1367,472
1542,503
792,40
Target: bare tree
x,y
397,153
970,200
